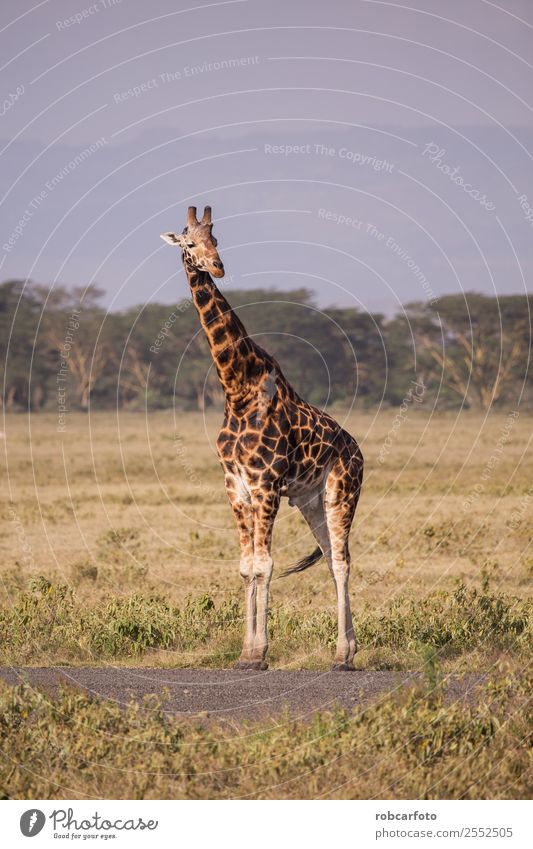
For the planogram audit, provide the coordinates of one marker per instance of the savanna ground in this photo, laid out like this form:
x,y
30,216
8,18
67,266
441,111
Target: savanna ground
x,y
120,548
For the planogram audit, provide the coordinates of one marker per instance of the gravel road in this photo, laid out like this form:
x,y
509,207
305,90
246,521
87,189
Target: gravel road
x,y
229,694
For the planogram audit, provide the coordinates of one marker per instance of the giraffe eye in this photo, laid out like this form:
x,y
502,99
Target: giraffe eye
x,y
190,244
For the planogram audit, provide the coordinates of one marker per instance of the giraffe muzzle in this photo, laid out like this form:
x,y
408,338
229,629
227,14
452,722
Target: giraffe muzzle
x,y
217,268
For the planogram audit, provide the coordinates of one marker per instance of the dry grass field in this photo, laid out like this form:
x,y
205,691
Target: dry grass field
x,y
125,516
119,547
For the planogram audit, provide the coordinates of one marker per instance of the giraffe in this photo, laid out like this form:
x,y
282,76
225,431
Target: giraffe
x,y
272,444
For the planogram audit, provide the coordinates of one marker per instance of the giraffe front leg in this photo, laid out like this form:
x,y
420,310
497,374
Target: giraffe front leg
x,y
242,510
245,660
246,570
265,509
250,602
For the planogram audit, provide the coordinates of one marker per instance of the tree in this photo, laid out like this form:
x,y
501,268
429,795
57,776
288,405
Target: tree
x,y
25,356
78,331
469,348
485,344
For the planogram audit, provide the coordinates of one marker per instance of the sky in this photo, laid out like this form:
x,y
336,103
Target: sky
x,y
374,152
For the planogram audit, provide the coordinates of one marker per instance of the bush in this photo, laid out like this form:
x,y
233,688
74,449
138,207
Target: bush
x,y
461,620
48,625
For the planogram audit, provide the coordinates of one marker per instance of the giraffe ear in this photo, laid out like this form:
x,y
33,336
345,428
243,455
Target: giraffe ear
x,y
172,239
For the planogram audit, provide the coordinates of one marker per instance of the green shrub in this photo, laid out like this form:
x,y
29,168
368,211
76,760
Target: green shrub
x,y
461,620
48,624
130,626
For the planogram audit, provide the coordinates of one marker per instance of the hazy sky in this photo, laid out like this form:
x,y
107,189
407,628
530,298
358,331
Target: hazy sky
x,y
371,151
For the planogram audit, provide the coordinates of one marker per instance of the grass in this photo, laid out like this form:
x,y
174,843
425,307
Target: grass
x,y
49,623
110,508
120,548
123,539
411,746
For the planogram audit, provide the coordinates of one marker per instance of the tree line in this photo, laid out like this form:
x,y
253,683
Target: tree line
x,y
62,347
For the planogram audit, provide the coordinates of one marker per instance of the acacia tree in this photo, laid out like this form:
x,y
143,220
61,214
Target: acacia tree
x,y
138,374
75,328
481,344
409,339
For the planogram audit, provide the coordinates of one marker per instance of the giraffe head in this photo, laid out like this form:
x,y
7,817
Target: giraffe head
x,y
198,244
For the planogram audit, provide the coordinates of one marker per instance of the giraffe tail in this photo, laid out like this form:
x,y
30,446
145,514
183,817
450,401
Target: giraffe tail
x,y
304,563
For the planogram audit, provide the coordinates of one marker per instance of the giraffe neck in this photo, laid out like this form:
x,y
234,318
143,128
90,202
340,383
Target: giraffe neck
x,y
240,363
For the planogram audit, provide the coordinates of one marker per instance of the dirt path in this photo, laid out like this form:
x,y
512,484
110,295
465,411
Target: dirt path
x,y
226,694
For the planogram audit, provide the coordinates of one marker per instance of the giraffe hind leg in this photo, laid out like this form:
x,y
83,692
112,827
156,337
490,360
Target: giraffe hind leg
x,y
343,486
311,506
324,523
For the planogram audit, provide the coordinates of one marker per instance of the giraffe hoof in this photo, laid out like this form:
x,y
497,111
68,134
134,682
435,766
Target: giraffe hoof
x,y
343,667
258,665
